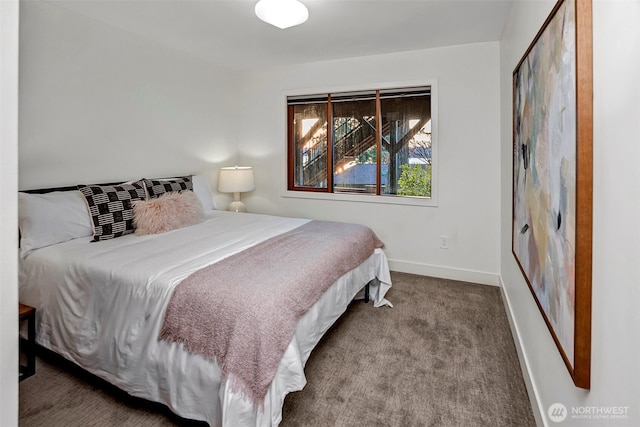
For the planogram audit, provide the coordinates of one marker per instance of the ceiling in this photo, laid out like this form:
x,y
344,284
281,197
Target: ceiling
x,y
227,32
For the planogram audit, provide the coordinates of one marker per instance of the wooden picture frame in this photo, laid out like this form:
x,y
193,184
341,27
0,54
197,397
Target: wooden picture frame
x,y
553,178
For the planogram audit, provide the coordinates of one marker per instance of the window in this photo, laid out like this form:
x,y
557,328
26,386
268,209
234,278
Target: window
x,y
368,142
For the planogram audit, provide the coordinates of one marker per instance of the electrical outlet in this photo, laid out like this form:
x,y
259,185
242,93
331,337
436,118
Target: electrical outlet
x,y
444,242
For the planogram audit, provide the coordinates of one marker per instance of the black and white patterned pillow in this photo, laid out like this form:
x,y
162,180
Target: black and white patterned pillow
x,y
157,187
111,209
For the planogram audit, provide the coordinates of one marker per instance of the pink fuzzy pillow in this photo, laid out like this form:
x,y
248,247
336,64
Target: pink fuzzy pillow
x,y
167,212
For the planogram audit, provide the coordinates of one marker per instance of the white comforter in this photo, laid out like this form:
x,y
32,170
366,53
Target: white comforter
x,y
101,306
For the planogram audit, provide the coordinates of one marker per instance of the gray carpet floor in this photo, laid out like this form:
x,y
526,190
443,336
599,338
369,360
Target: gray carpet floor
x,y
443,356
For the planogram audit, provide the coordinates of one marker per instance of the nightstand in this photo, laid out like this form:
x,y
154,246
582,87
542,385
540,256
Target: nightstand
x,y
29,345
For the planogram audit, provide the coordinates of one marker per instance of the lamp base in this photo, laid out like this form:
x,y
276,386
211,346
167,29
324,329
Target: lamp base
x,y
236,206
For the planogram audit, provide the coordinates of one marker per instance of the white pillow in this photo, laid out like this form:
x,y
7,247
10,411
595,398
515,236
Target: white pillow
x,y
47,219
203,190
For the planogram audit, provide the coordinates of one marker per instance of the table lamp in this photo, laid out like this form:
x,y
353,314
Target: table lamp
x,y
236,180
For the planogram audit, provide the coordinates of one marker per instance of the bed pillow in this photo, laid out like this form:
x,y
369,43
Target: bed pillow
x,y
201,187
203,190
51,218
157,187
167,212
111,209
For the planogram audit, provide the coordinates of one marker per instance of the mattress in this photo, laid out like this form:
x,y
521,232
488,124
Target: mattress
x,y
101,305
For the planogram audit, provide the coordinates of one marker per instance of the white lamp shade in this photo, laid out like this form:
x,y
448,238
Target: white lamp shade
x,y
282,13
238,179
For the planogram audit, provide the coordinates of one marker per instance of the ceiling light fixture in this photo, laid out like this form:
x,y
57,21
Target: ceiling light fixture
x,y
282,13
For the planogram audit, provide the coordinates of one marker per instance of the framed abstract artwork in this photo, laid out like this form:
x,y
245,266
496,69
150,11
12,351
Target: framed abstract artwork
x,y
552,178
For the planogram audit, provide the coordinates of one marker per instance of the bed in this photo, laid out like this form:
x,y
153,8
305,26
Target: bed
x,y
102,305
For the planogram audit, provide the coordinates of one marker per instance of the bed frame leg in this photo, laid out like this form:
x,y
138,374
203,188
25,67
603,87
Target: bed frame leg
x,y
366,293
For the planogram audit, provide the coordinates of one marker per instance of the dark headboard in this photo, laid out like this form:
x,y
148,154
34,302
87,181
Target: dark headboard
x,y
69,188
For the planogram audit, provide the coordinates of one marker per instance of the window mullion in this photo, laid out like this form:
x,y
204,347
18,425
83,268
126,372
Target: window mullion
x,y
378,144
329,145
291,149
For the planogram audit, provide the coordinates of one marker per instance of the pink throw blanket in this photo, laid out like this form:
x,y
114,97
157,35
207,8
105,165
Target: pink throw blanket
x,y
243,311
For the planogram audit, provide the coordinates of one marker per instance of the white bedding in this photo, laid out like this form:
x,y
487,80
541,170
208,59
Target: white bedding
x,y
101,306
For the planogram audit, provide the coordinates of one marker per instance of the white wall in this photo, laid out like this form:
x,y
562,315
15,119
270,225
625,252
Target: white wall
x,y
468,156
615,378
98,104
8,212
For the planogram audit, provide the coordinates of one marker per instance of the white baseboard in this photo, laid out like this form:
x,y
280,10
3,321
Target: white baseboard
x,y
532,391
472,276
